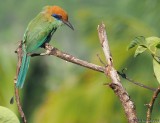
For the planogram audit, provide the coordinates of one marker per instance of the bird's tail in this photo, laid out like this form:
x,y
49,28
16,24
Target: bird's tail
x,y
23,70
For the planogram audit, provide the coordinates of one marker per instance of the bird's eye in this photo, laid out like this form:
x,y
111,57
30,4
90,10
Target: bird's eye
x,y
59,17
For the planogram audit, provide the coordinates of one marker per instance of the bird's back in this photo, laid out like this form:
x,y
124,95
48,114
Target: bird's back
x,y
37,31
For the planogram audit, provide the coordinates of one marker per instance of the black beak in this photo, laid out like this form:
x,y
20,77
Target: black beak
x,y
68,24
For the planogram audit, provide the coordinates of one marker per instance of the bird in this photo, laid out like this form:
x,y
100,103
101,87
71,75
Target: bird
x,y
39,31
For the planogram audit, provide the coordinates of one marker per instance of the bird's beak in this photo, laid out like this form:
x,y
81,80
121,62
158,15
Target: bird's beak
x,y
68,24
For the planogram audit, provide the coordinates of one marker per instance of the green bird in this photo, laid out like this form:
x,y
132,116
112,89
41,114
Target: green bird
x,y
39,32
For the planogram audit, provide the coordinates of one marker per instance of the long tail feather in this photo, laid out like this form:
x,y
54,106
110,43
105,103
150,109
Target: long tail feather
x,y
23,70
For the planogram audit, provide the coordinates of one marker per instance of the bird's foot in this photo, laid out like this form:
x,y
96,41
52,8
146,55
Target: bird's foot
x,y
48,51
48,48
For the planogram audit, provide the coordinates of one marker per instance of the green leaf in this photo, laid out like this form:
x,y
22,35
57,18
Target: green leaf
x,y
140,41
150,43
153,43
156,68
139,50
7,116
157,59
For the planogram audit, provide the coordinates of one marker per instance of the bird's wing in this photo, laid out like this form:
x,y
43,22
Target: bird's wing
x,y
37,32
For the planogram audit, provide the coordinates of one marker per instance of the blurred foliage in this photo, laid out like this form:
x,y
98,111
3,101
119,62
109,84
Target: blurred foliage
x,y
61,92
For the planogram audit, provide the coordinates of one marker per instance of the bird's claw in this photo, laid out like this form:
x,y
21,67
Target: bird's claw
x,y
48,46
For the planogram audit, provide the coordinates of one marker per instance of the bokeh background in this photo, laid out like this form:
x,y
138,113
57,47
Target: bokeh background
x,y
56,91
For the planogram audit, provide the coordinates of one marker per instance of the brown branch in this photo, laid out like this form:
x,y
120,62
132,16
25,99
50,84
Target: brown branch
x,y
19,54
67,57
150,105
116,85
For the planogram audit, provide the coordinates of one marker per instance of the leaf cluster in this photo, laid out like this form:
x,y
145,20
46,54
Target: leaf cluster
x,y
152,44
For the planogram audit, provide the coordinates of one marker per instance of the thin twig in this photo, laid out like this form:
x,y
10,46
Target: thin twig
x,y
19,54
123,75
139,84
116,85
101,60
150,105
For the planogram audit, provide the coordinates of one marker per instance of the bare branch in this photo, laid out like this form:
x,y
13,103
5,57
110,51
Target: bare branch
x,y
150,105
67,57
19,54
116,85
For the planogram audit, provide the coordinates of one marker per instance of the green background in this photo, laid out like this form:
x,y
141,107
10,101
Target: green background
x,y
56,91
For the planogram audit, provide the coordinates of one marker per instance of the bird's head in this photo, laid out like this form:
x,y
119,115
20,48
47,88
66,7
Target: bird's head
x,y
59,14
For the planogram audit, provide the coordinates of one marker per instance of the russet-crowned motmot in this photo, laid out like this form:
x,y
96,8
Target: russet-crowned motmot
x,y
39,32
